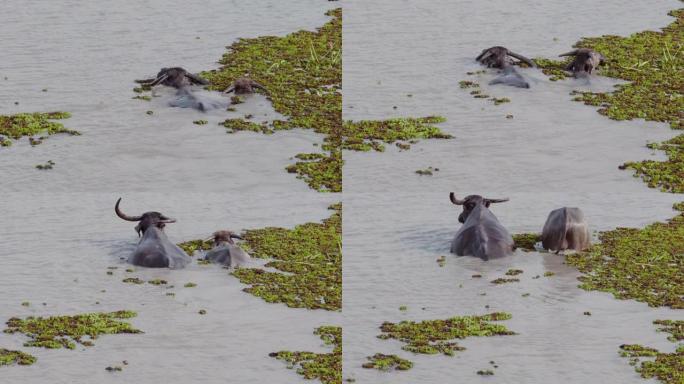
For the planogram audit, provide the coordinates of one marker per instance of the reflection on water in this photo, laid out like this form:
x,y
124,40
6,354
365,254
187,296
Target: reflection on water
x,y
552,153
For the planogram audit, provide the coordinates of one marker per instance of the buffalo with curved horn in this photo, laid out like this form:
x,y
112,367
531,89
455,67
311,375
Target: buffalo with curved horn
x,y
481,234
244,86
154,249
584,62
565,228
501,57
225,251
176,77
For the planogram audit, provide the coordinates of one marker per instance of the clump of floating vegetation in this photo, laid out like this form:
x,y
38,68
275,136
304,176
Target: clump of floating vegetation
x,y
237,125
386,363
200,122
369,135
190,285
435,336
30,124
667,175
642,264
9,357
311,257
192,246
66,331
326,367
427,171
503,280
526,241
666,367
514,272
157,282
49,165
132,280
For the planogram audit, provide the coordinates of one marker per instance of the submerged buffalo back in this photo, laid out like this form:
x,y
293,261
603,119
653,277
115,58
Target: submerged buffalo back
x,y
566,228
228,254
156,251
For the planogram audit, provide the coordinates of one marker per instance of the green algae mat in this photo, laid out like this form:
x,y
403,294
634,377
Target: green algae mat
x,y
9,357
436,336
653,64
641,264
666,367
14,127
387,363
310,256
65,331
326,367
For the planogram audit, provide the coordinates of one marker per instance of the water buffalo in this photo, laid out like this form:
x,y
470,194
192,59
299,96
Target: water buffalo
x,y
584,62
225,251
500,57
176,77
154,249
244,85
565,228
481,234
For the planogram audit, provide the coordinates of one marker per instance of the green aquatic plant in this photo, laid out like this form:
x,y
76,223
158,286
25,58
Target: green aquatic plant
x,y
641,264
237,125
383,362
514,272
309,258
366,135
133,280
503,280
526,241
9,357
667,175
157,282
30,124
435,336
326,367
65,331
668,368
192,246
190,285
200,122
49,165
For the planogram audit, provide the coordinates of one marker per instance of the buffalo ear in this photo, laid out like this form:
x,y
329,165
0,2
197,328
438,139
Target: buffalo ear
x,y
487,203
137,229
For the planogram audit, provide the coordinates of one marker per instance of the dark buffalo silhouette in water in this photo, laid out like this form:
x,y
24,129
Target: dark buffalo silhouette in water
x,y
225,251
502,58
154,249
244,86
565,228
584,62
175,77
481,234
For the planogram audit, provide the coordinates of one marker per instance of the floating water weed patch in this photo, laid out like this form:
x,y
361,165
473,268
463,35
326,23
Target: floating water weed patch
x,y
526,241
9,357
366,135
667,175
311,257
641,264
387,363
65,331
29,124
326,367
192,246
666,367
503,280
436,336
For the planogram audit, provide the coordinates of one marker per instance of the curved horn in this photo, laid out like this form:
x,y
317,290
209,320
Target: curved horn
x,y
523,59
196,79
123,215
145,81
454,200
571,53
167,220
497,200
234,236
230,89
259,86
485,54
159,80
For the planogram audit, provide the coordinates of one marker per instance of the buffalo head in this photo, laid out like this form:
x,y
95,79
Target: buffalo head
x,y
224,236
146,220
471,202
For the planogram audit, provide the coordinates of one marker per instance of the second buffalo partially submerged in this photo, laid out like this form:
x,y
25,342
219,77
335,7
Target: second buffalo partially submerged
x,y
154,250
501,58
225,251
175,77
584,62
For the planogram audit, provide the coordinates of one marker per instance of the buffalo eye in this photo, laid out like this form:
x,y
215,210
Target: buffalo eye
x,y
470,205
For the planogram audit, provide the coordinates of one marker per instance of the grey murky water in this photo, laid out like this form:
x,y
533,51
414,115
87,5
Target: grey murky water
x,y
552,153
58,229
